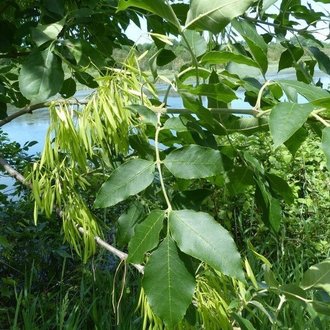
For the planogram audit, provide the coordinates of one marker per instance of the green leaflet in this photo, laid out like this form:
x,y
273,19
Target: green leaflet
x,y
281,187
126,180
41,76
308,91
286,118
196,42
200,236
127,222
158,7
326,144
218,91
317,277
164,57
44,33
194,162
323,59
167,283
256,43
214,15
146,236
221,57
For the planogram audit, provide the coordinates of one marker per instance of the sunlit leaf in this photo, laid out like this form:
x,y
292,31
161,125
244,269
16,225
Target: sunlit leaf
x,y
200,236
41,76
317,277
196,42
44,33
326,144
308,91
286,118
214,15
222,57
168,284
194,162
126,180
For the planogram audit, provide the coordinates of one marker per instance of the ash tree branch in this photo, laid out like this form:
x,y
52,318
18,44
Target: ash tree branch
x,y
120,254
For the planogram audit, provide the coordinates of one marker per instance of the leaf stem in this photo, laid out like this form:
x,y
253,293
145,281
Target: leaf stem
x,y
158,162
257,107
321,120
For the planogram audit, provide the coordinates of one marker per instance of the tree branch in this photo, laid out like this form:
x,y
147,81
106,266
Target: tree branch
x,y
120,254
30,108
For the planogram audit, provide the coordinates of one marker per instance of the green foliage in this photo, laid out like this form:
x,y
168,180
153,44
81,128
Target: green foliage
x,y
286,118
200,236
126,180
186,195
164,275
194,162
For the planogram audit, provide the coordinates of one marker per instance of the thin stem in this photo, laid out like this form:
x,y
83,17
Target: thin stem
x,y
252,112
257,107
158,162
321,120
194,59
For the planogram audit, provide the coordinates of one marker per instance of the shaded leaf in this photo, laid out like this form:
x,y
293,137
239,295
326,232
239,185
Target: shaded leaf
x,y
126,180
275,213
244,324
254,40
200,236
239,179
146,236
286,118
167,283
194,162
3,110
323,59
296,140
86,79
321,307
164,57
281,187
69,88
293,292
126,223
289,57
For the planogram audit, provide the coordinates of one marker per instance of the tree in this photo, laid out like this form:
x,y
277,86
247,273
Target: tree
x,y
124,142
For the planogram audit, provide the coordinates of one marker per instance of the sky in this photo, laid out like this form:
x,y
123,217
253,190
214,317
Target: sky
x,y
140,36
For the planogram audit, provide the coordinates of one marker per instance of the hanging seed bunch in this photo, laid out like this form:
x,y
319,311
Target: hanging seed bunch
x,y
84,139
